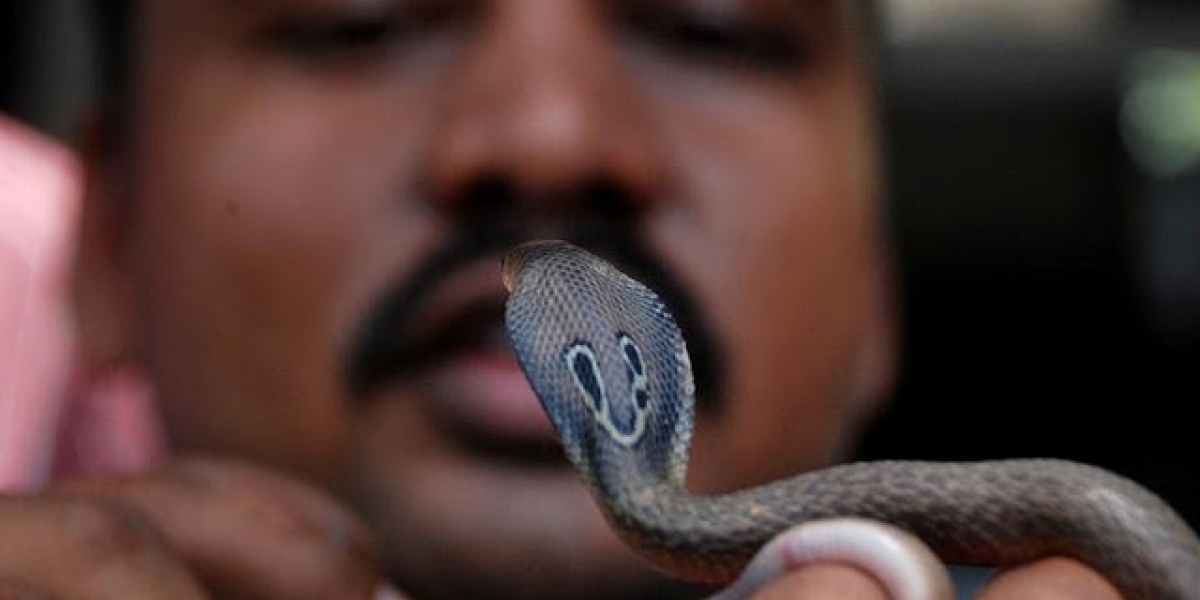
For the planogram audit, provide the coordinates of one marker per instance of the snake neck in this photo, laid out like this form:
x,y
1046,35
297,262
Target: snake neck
x,y
998,513
666,523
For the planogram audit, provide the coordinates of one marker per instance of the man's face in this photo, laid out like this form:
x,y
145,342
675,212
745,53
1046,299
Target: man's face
x,y
319,192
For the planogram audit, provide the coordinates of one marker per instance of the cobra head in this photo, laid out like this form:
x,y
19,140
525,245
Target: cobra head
x,y
604,357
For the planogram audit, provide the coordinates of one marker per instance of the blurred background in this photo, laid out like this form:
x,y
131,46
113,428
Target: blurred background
x,y
1044,181
1045,173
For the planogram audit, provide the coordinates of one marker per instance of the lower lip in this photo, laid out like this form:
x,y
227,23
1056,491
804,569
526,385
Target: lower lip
x,y
486,391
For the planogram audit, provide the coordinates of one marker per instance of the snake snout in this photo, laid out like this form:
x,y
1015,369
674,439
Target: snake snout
x,y
518,257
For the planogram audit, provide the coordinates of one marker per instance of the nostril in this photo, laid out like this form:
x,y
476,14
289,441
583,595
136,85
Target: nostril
x,y
488,197
610,200
497,199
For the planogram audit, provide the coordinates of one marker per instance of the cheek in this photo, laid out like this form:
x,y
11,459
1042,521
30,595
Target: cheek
x,y
256,248
778,234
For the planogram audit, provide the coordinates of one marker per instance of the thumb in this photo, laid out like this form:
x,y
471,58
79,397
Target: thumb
x,y
898,563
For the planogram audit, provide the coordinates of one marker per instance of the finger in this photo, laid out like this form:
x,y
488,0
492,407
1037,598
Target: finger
x,y
70,549
16,589
901,564
823,581
387,592
249,533
1053,578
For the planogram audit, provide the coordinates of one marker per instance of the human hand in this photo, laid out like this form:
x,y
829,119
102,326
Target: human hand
x,y
1049,579
789,570
197,529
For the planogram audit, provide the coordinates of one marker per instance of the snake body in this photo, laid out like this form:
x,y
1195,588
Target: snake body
x,y
612,372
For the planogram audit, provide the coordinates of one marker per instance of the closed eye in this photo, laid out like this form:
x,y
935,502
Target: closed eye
x,y
322,38
345,32
736,40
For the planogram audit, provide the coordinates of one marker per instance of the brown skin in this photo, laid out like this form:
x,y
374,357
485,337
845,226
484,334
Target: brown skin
x,y
263,200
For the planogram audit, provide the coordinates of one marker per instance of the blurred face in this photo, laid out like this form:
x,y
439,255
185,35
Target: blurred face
x,y
314,194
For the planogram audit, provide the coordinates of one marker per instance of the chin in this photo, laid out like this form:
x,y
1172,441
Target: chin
x,y
456,525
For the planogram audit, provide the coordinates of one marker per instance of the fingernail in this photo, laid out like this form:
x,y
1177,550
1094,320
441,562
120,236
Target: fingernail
x,y
387,592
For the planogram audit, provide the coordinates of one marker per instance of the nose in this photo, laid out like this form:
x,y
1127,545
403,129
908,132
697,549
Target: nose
x,y
542,107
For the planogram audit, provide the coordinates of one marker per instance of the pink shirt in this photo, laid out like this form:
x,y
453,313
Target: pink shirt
x,y
56,417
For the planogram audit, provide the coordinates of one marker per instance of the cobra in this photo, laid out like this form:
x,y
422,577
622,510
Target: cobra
x,y
611,369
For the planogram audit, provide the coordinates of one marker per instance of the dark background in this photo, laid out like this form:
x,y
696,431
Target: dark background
x,y
1051,285
1050,281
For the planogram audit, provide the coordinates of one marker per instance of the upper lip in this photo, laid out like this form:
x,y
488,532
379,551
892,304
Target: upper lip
x,y
460,313
463,309
466,309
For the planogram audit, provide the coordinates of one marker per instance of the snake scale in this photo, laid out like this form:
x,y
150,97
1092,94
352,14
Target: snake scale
x,y
612,372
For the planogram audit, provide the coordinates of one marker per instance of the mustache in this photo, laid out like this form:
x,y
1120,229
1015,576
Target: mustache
x,y
384,349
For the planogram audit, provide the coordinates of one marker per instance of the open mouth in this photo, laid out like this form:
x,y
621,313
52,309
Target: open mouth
x,y
464,314
448,341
